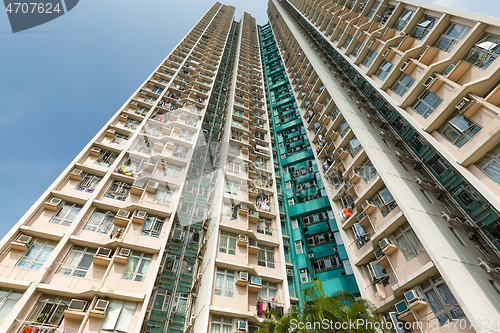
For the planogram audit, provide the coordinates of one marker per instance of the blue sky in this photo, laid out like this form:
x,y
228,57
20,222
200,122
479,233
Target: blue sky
x,y
60,82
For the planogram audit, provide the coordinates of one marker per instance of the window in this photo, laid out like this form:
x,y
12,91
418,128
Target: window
x,y
234,150
326,264
438,164
426,103
101,221
8,298
180,151
36,256
366,170
88,183
172,263
118,191
179,304
149,100
441,300
163,195
490,164
227,242
49,310
347,41
162,298
295,224
152,226
484,52
453,231
423,27
370,56
106,158
186,135
66,214
265,257
460,130
132,124
224,282
466,195
407,241
232,187
229,212
137,266
119,317
384,201
221,325
343,128
384,70
172,170
320,239
264,226
261,163
157,90
357,48
269,292
152,130
298,247
77,262
304,276
353,147
402,84
288,185
233,167
403,19
373,10
120,139
451,36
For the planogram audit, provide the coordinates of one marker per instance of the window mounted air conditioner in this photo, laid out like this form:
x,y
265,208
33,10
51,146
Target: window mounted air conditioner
x,y
94,151
361,216
386,52
428,81
124,252
412,296
110,132
384,242
138,184
403,66
365,204
24,239
242,326
152,186
244,276
311,255
379,254
122,213
289,271
77,305
76,174
101,305
463,104
140,214
103,252
401,307
256,280
242,237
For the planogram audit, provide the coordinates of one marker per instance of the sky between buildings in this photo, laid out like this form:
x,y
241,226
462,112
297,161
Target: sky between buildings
x,y
62,81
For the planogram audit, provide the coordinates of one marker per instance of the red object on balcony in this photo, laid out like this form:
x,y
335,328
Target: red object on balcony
x,y
347,212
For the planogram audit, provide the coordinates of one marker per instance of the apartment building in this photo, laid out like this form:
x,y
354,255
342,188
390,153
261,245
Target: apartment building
x,y
312,242
399,102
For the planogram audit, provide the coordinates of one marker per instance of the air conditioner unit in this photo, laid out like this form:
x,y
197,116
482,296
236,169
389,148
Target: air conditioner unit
x,y
361,216
77,305
446,216
103,252
101,305
76,174
462,105
152,186
311,255
370,43
403,66
124,252
138,184
306,220
24,239
386,52
384,242
242,326
110,132
428,82
140,214
378,254
122,213
242,237
286,242
256,280
289,271
412,296
94,151
244,276
365,204
401,307
55,201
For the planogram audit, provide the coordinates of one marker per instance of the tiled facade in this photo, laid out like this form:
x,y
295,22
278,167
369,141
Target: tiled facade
x,y
352,141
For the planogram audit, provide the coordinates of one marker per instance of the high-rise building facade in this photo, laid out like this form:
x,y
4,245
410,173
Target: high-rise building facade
x,y
351,141
399,101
